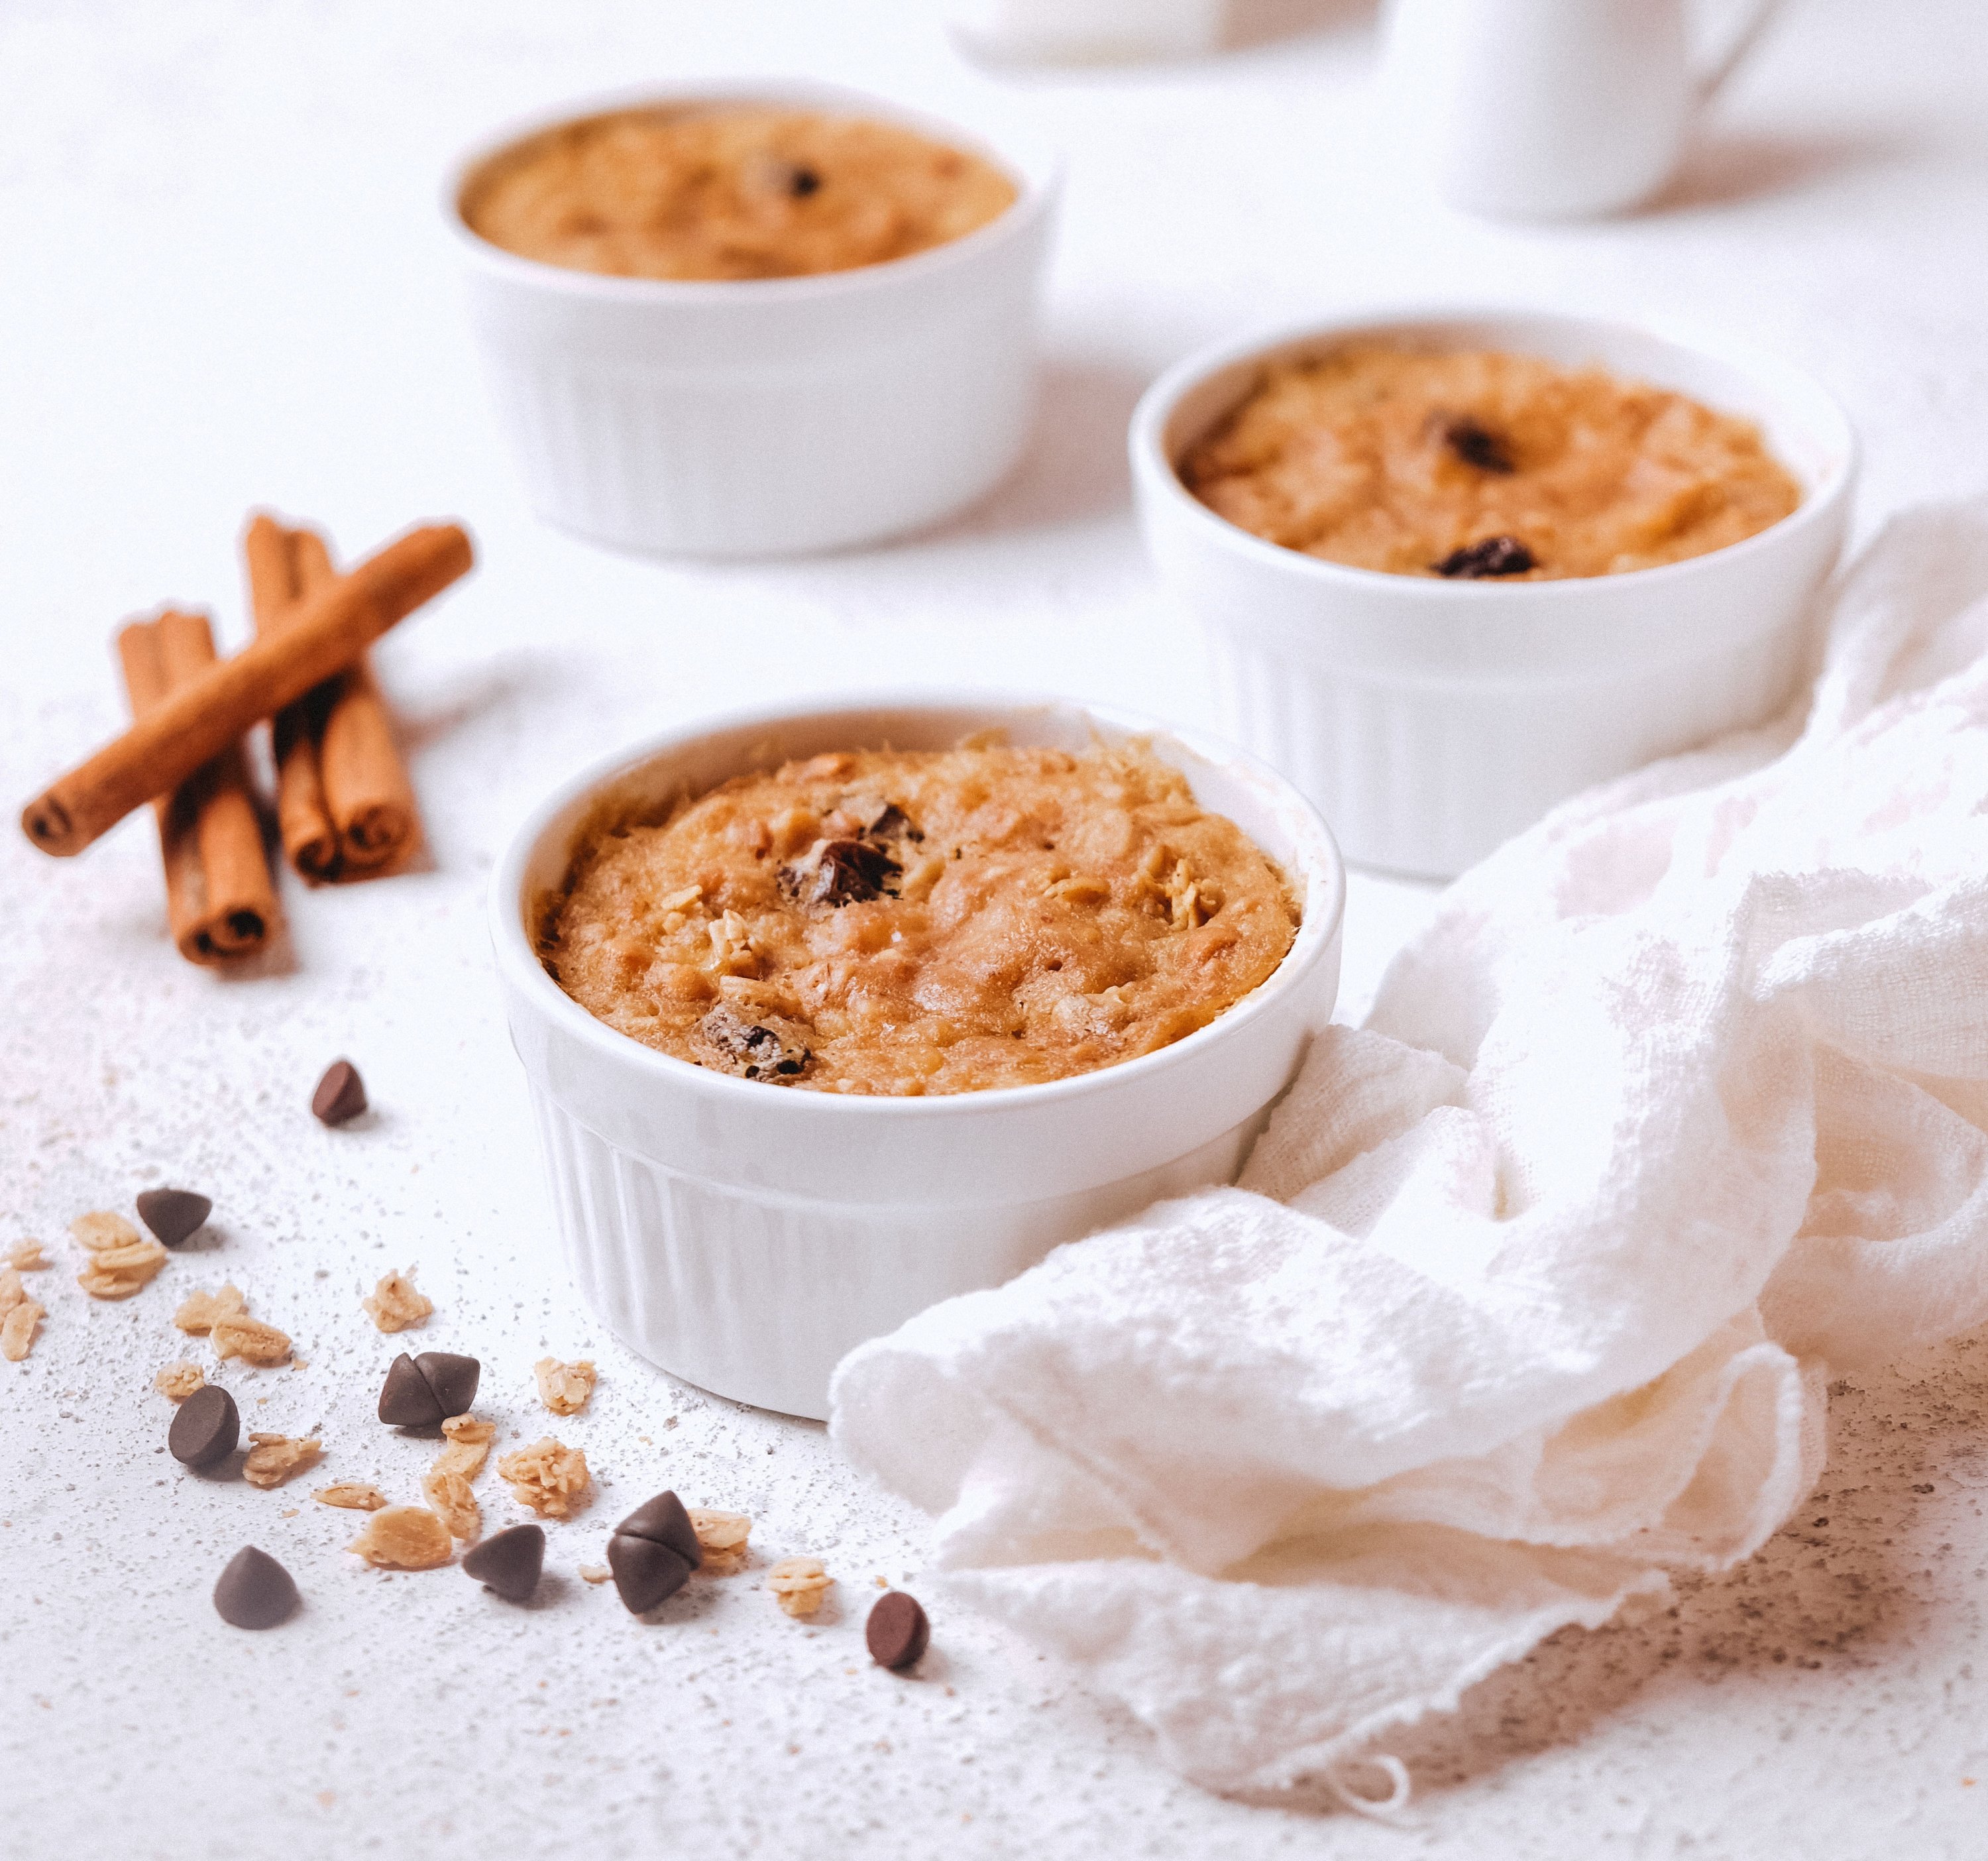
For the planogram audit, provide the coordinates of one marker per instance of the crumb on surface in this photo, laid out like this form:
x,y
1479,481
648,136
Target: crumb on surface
x,y
564,1388
595,1573
548,1477
799,1585
273,1458
397,1304
179,1380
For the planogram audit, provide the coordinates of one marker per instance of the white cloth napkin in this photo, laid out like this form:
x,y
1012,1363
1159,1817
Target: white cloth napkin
x,y
1527,1296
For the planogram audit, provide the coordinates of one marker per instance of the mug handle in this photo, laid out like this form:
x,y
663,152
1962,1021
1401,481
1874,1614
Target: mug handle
x,y
1711,81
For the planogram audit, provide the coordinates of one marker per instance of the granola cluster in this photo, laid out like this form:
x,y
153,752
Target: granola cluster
x,y
222,1318
548,1477
179,1380
564,1388
21,1315
121,1262
799,1585
397,1304
273,1458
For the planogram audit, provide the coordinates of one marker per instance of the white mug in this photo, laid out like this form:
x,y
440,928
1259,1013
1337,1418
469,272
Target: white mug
x,y
1087,31
1551,109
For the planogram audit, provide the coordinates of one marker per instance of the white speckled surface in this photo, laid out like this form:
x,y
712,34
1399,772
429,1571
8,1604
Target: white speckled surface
x,y
224,285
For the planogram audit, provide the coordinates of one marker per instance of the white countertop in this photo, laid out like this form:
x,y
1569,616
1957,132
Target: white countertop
x,y
224,285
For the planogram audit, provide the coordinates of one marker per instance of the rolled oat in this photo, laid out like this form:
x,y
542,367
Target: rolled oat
x,y
273,1458
253,1340
799,1585
564,1388
404,1538
351,1496
197,1311
178,1380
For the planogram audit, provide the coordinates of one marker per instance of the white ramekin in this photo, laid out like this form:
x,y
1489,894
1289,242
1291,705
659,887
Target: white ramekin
x,y
1088,31
745,1237
768,416
1432,719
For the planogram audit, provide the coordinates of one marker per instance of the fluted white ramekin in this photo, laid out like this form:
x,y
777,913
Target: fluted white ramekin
x,y
1432,719
764,416
746,1236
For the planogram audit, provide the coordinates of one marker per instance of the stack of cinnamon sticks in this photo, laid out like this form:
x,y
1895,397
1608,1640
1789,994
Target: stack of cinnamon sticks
x,y
345,808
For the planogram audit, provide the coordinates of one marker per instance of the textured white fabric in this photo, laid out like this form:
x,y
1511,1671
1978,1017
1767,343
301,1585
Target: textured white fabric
x,y
1527,1296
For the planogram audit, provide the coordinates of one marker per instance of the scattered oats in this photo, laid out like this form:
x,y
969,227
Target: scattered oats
x,y
12,1292
273,1458
798,1584
595,1573
179,1380
351,1496
548,1477
198,1310
26,1257
293,1512
404,1538
721,1535
397,1304
564,1388
253,1340
449,1497
469,1439
17,1329
121,1262
103,1231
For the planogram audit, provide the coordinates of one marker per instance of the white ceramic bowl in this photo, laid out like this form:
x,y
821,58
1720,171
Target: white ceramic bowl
x,y
1432,719
745,1237
1088,31
766,416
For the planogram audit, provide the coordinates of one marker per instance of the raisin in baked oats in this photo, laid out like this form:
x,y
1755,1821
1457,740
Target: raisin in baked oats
x,y
902,922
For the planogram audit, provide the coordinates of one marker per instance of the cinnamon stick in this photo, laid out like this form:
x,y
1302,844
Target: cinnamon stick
x,y
196,721
347,805
220,902
303,821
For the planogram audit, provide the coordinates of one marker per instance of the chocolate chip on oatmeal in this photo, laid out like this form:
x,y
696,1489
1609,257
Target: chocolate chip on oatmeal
x,y
173,1214
510,1562
1477,445
340,1096
255,1591
652,1553
898,1633
803,182
770,1048
834,872
205,1430
1494,555
423,1391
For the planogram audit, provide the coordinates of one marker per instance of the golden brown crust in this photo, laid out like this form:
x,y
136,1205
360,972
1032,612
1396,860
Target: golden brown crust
x,y
1395,459
906,923
740,191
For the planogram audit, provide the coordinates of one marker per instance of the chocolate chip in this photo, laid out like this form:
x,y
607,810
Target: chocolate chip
x,y
839,872
405,1401
803,182
663,1520
1477,445
453,1380
206,1429
768,1049
422,1392
340,1094
898,1633
646,1573
255,1591
172,1214
1494,555
510,1563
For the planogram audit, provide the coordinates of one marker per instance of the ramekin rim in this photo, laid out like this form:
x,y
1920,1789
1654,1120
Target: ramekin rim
x,y
1039,181
516,959
1155,475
